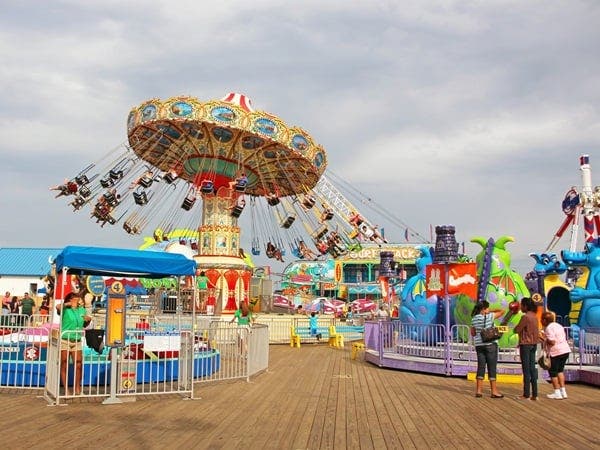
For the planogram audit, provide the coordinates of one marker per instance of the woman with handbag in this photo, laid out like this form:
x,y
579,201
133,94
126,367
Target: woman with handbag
x,y
555,341
529,336
487,352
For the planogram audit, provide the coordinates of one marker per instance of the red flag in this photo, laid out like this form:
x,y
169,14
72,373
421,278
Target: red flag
x,y
462,279
435,278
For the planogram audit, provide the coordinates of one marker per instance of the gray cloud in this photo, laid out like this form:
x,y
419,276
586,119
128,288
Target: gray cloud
x,y
463,112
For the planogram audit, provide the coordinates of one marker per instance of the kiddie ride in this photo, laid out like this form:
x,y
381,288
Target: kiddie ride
x,y
117,357
576,299
423,324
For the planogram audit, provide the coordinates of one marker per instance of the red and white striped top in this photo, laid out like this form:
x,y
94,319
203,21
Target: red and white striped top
x,y
240,100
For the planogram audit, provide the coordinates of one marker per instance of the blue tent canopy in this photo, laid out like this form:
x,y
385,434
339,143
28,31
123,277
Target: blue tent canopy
x,y
125,262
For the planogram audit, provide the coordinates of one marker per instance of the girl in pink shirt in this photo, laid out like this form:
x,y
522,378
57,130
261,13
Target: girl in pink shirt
x,y
555,341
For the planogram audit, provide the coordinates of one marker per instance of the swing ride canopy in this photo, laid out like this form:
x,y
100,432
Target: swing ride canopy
x,y
114,261
218,139
182,150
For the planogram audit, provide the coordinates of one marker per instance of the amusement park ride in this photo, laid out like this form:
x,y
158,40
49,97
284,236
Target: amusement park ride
x,y
586,203
227,157
578,295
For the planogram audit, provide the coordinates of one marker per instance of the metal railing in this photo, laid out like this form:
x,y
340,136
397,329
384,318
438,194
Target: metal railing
x,y
394,338
279,328
163,353
155,361
23,352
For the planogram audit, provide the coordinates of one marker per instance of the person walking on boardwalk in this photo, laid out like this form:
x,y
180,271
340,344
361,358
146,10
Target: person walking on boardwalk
x,y
314,326
244,318
487,352
528,331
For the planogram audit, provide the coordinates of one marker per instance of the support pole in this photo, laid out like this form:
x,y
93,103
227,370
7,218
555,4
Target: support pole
x,y
114,359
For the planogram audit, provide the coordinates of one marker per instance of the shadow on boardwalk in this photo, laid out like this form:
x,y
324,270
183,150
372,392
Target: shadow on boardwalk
x,y
313,397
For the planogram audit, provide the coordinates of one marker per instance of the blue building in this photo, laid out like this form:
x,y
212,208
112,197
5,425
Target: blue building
x,y
23,269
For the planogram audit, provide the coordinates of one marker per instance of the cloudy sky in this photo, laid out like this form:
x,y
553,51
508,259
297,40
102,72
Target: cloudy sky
x,y
445,112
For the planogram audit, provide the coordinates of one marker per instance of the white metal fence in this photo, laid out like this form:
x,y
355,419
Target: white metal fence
x,y
23,352
163,354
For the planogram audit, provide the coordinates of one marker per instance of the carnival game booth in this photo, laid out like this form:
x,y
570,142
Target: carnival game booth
x,y
169,358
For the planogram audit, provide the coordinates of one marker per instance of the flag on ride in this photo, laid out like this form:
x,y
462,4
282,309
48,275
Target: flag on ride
x,y
461,279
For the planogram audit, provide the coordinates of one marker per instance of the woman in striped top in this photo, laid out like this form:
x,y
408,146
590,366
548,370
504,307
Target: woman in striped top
x,y
487,352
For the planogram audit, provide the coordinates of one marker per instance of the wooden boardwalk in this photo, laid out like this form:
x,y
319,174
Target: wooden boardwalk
x,y
313,397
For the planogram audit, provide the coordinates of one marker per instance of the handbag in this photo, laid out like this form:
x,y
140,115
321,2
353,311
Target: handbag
x,y
544,360
489,334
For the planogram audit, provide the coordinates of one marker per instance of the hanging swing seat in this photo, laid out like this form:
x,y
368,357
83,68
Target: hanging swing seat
x,y
240,185
308,201
306,252
207,186
296,251
82,179
140,198
146,181
194,245
327,214
287,222
103,216
85,192
116,174
237,210
255,247
356,219
353,234
322,231
131,229
77,203
322,247
272,199
333,251
110,199
169,177
107,182
270,250
366,230
188,202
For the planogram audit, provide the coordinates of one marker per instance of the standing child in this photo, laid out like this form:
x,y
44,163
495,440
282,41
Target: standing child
x,y
313,324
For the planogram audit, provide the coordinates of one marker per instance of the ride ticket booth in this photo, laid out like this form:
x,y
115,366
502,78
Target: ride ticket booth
x,y
116,325
76,262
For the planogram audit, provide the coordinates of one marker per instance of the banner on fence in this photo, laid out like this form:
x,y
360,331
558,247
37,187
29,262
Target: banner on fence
x,y
461,277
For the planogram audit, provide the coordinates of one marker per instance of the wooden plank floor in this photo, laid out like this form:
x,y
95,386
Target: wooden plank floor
x,y
313,397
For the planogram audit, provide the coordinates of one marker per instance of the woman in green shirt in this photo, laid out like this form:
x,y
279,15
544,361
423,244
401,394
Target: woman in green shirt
x,y
244,319
73,320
